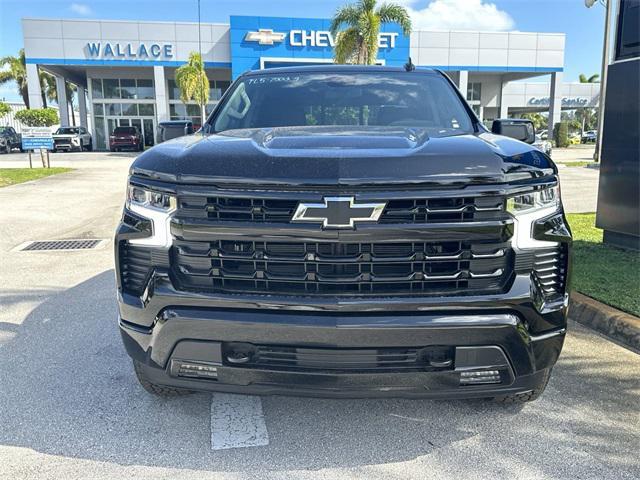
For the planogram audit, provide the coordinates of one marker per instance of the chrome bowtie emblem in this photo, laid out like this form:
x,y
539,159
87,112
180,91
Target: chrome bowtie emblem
x,y
338,212
264,36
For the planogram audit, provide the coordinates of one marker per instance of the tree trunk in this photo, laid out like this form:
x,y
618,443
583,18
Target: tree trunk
x,y
25,96
73,116
203,113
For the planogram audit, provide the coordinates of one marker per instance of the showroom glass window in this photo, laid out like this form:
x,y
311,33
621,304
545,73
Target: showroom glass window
x,y
474,92
191,110
122,102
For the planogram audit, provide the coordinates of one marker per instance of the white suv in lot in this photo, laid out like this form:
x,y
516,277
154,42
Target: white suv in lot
x,y
72,138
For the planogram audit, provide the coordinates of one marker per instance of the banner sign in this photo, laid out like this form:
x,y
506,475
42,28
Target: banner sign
x,y
36,138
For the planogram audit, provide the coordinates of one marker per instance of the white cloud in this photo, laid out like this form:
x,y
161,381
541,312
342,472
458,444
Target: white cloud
x,y
457,15
81,9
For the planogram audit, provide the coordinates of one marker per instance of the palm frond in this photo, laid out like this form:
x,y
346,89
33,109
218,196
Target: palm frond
x,y
391,12
367,5
347,43
192,80
5,76
347,15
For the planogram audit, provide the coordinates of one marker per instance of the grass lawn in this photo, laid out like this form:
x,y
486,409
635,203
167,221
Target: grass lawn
x,y
610,275
11,176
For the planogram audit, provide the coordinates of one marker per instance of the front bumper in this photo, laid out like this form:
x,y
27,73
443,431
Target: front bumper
x,y
479,341
123,144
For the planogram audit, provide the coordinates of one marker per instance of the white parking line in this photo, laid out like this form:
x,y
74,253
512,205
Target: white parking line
x,y
237,421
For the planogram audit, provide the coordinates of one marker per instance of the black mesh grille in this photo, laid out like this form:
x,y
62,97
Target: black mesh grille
x,y
421,210
434,210
237,209
412,268
276,357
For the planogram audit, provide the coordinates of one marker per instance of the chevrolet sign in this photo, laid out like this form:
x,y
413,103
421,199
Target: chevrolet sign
x,y
310,38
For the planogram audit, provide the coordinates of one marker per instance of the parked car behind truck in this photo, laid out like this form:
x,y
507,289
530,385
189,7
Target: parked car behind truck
x,y
72,139
174,129
9,139
126,138
344,231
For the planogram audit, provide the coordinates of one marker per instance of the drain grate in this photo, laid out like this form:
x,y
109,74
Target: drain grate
x,y
61,245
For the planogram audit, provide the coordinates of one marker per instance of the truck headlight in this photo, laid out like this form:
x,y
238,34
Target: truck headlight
x,y
533,201
157,207
527,208
149,199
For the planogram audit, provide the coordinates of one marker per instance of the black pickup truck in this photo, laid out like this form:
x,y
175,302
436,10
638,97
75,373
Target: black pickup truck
x,y
344,231
9,139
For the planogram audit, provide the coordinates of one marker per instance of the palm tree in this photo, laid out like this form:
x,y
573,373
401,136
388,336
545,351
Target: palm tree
x,y
17,72
595,78
358,43
193,82
51,90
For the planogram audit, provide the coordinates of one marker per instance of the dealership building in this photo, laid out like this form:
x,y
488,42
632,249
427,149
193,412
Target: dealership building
x,y
127,68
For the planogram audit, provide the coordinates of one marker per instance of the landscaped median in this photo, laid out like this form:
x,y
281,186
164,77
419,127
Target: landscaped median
x,y
608,275
11,176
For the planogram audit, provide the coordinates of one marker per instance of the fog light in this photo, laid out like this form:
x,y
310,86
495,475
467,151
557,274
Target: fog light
x,y
193,369
480,377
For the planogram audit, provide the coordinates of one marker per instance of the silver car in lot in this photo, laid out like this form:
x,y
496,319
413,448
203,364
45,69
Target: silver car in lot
x,y
72,138
542,145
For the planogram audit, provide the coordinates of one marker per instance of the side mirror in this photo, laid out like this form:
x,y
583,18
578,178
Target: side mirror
x,y
522,130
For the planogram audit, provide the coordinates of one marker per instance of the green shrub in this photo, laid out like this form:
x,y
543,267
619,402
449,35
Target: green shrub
x,y
38,117
4,109
561,134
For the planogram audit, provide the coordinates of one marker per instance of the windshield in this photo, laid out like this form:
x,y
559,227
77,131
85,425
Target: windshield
x,y
125,130
361,99
67,131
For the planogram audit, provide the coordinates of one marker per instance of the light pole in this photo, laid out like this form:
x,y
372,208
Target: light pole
x,y
603,73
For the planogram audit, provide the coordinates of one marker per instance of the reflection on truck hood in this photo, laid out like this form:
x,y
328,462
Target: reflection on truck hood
x,y
342,156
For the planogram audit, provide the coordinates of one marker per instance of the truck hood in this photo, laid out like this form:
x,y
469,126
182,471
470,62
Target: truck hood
x,y
339,156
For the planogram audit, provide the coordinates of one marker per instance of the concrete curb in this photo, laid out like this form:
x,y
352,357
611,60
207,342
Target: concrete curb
x,y
620,326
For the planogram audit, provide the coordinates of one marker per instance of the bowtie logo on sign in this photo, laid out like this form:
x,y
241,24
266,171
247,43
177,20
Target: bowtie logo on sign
x,y
265,36
310,38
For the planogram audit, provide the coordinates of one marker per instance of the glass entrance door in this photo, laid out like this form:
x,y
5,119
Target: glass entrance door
x,y
146,127
148,130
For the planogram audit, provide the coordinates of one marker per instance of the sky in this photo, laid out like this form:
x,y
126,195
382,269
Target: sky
x,y
583,27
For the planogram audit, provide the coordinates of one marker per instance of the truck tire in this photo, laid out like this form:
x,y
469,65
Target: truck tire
x,y
155,389
527,396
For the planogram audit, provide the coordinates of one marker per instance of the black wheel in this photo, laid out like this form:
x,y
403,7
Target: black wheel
x,y
90,146
6,149
527,396
159,390
113,149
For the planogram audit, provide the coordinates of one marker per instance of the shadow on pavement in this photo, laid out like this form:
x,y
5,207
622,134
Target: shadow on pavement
x,y
68,389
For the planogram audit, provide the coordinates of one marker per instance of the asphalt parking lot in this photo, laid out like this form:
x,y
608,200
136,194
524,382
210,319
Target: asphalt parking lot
x,y
70,406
